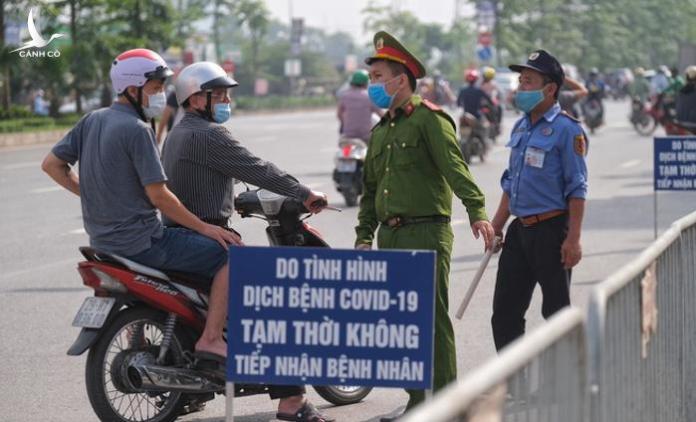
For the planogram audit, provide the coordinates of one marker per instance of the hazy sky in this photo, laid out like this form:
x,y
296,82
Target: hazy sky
x,y
344,15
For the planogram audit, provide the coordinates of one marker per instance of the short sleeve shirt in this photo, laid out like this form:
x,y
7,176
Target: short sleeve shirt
x,y
547,164
118,157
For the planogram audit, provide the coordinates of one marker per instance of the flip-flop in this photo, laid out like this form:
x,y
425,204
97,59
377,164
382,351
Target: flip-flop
x,y
211,362
307,413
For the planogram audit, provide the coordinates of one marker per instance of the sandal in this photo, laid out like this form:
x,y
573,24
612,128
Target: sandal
x,y
211,363
307,413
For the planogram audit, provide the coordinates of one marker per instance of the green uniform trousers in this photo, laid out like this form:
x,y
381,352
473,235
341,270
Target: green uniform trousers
x,y
437,237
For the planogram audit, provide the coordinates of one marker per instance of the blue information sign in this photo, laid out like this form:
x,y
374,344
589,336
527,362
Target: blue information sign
x,y
484,53
327,317
675,163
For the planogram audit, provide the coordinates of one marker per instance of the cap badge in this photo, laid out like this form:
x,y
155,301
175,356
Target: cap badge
x,y
379,44
534,56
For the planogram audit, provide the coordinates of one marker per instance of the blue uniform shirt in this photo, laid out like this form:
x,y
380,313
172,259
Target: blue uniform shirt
x,y
547,164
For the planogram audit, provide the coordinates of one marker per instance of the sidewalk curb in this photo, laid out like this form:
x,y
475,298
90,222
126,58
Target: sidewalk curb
x,y
32,138
55,135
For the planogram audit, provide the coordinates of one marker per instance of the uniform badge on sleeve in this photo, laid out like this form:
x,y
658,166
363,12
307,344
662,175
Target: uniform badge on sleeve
x,y
580,145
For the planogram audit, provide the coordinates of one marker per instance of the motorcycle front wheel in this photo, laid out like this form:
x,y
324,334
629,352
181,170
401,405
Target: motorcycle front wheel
x,y
341,395
645,124
134,330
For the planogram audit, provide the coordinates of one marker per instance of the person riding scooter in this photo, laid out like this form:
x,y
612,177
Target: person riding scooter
x,y
596,88
686,100
355,109
202,161
471,97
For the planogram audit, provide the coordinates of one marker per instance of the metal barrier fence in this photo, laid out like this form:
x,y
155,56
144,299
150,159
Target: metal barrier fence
x,y
541,377
641,330
635,361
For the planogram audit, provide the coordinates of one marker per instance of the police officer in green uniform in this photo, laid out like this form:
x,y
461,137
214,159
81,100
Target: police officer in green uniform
x,y
412,168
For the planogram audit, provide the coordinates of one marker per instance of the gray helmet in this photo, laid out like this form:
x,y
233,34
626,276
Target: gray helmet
x,y
201,76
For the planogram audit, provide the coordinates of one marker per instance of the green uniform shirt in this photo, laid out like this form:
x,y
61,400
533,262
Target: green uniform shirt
x,y
412,167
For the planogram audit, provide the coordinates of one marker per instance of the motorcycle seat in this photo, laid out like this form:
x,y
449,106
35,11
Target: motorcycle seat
x,y
686,125
100,256
194,281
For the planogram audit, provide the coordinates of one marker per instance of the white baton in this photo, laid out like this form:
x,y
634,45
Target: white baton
x,y
477,279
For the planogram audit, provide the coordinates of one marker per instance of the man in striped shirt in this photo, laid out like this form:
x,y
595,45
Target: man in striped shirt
x,y
202,161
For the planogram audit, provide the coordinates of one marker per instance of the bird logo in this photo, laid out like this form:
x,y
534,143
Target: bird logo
x,y
37,41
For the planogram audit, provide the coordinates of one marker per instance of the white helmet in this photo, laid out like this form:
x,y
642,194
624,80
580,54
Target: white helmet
x,y
690,73
136,67
201,76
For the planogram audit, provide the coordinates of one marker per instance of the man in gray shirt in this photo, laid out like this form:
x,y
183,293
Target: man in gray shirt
x,y
202,161
121,186
355,109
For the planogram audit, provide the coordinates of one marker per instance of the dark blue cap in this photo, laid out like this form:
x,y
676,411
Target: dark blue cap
x,y
542,62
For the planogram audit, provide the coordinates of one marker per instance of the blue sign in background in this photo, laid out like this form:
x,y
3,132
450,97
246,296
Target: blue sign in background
x,y
675,163
367,317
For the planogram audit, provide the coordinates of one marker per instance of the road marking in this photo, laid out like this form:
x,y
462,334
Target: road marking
x,y
458,222
77,231
36,269
629,164
22,165
48,189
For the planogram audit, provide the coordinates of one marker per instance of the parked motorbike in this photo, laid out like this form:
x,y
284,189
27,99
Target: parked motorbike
x,y
141,325
473,133
592,111
347,173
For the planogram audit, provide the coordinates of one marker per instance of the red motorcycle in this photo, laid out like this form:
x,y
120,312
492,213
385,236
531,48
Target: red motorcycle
x,y
142,323
646,117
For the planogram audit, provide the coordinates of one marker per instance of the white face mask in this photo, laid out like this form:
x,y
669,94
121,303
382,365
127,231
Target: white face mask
x,y
157,104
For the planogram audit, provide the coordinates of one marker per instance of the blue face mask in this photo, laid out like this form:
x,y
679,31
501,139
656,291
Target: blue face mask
x,y
222,112
527,100
378,94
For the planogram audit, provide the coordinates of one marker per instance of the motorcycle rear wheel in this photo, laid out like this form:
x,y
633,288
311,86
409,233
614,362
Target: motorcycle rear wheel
x,y
108,394
351,198
342,395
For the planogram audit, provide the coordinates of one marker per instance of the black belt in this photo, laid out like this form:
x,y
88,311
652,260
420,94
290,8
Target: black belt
x,y
395,222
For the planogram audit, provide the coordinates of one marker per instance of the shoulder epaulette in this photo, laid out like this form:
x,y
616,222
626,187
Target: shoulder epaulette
x,y
430,105
571,117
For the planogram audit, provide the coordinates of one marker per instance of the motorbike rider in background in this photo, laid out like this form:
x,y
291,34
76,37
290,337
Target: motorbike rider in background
x,y
640,87
595,88
686,99
490,87
471,97
355,108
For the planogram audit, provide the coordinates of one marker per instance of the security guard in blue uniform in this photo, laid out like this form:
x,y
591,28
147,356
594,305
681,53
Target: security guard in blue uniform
x,y
544,187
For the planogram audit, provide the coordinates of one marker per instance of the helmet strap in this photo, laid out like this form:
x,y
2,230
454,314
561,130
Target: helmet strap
x,y
208,112
138,105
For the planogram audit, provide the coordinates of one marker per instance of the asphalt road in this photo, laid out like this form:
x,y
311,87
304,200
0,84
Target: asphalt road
x,y
41,228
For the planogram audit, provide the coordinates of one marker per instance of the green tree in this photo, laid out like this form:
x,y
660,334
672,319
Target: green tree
x,y
253,16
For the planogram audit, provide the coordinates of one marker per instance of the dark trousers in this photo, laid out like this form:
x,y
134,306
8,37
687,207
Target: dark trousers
x,y
284,391
530,255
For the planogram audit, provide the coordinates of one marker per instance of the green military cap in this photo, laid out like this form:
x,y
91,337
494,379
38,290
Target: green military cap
x,y
389,48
